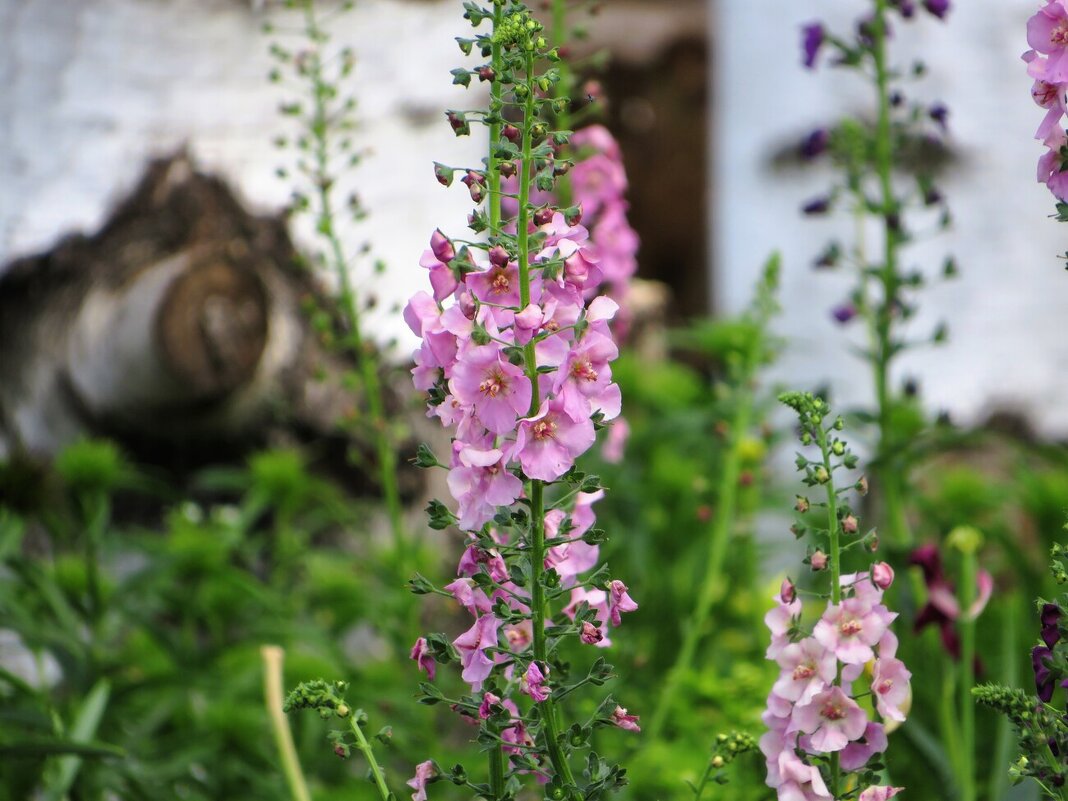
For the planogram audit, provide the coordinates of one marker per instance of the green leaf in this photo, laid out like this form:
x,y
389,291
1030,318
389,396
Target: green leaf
x,y
85,725
55,746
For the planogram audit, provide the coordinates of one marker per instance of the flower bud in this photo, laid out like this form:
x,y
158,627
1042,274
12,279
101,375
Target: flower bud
x,y
591,635
442,247
861,486
573,215
802,504
821,475
882,575
543,216
486,73
512,134
787,592
343,711
717,761
467,305
849,524
818,560
498,256
507,168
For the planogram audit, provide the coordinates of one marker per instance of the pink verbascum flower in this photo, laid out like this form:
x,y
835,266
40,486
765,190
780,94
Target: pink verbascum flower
x,y
832,718
424,772
481,483
624,721
423,659
549,442
880,793
779,620
533,681
619,601
851,628
472,644
1047,33
807,668
857,753
799,780
495,389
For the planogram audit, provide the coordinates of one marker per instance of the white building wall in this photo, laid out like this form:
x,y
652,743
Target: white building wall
x,y
1008,312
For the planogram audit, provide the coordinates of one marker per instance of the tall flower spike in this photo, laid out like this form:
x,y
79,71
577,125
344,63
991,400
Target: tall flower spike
x,y
817,732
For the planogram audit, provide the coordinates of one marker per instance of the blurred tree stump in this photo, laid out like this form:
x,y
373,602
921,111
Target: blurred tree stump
x,y
181,329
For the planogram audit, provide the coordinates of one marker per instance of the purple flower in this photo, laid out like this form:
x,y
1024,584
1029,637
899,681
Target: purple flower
x,y
939,113
624,721
818,205
938,8
844,312
423,658
815,144
424,772
533,682
812,37
1051,633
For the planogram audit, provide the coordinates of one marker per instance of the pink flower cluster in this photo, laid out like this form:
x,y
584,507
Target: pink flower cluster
x,y
1047,63
809,711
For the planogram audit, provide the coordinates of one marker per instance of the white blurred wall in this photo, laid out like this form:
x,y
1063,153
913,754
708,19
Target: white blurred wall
x,y
1008,312
90,89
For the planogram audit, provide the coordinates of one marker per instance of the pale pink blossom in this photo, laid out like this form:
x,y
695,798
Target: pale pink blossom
x,y
549,442
472,645
890,687
807,668
880,793
533,682
424,772
625,721
832,718
857,753
423,658
851,628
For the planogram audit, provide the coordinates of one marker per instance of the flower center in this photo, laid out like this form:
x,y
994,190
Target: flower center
x,y
1044,93
501,283
493,384
805,670
552,326
1059,35
832,711
545,429
884,686
850,627
582,369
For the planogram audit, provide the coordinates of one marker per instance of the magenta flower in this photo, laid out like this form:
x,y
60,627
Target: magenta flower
x,y
832,718
472,644
470,596
549,442
533,682
424,772
423,658
624,721
584,381
938,8
1052,165
942,607
591,635
852,628
1047,33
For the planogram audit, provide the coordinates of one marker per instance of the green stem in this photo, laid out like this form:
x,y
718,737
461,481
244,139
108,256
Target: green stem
x,y
368,753
366,362
495,755
562,90
712,587
547,708
967,675
836,568
890,472
283,738
700,789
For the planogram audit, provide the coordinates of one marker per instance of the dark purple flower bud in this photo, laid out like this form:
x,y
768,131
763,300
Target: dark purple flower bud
x,y
931,196
1051,614
443,174
938,8
573,215
512,134
905,7
844,313
442,247
486,73
498,256
896,98
929,560
815,144
939,113
458,123
507,168
561,168
543,216
819,205
474,181
811,41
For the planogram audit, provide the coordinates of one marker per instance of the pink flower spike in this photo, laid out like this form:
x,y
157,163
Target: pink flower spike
x,y
624,721
533,682
799,780
619,601
832,718
1047,33
423,658
424,772
880,793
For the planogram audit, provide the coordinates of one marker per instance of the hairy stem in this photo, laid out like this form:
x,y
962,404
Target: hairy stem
x,y
547,708
836,567
368,753
890,474
366,361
